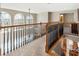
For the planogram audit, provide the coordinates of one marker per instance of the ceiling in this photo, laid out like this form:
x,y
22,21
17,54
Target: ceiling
x,y
40,7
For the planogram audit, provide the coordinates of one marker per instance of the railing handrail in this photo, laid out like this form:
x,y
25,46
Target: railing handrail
x,y
54,23
36,24
12,38
10,26
20,25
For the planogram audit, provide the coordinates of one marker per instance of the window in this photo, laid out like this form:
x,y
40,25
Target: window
x,y
19,19
29,19
5,19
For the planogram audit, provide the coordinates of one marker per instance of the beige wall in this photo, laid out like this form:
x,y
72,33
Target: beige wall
x,y
70,14
42,17
55,17
49,17
69,17
78,14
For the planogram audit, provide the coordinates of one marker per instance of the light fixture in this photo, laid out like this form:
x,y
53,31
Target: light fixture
x,y
61,15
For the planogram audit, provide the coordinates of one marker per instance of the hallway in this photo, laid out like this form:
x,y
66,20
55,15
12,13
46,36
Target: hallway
x,y
35,48
27,30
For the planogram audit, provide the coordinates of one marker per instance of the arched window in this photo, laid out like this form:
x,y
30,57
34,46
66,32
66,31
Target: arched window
x,y
29,19
19,19
5,18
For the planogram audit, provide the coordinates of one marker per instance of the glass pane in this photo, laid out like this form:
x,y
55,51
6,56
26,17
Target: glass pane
x,y
5,19
29,19
19,19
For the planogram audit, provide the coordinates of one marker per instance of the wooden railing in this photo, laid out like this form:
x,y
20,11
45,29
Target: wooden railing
x,y
71,28
16,36
54,31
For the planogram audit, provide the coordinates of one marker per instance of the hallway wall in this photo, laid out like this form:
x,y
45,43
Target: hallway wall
x,y
70,14
55,17
78,14
42,17
69,17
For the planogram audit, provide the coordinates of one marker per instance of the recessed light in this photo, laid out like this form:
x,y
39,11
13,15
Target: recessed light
x,y
61,15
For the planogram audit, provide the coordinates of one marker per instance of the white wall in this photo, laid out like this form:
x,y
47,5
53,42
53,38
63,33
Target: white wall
x,y
78,14
69,17
55,17
72,13
75,16
42,17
